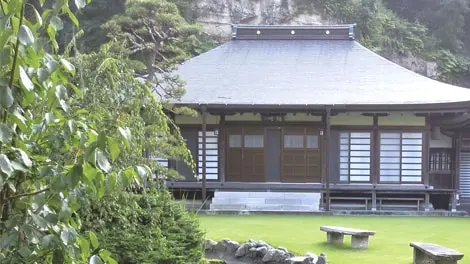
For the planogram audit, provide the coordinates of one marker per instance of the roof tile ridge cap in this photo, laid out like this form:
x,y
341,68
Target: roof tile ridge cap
x,y
403,68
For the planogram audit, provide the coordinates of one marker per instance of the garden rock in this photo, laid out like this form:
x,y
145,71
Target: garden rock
x,y
243,249
283,249
321,259
227,245
262,250
256,252
253,253
209,244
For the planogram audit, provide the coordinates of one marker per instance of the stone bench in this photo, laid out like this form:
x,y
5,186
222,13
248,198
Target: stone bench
x,y
359,237
425,253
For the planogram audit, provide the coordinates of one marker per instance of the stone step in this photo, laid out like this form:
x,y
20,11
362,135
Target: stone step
x,y
265,207
283,195
265,201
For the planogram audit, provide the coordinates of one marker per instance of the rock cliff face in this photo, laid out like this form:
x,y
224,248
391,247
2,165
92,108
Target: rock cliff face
x,y
217,16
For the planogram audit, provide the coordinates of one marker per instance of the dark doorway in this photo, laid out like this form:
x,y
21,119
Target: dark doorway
x,y
273,154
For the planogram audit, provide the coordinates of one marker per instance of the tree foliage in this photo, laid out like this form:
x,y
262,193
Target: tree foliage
x,y
125,108
154,32
71,130
49,152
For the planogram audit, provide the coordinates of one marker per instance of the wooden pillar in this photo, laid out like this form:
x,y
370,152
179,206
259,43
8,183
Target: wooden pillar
x,y
426,142
456,169
221,137
326,160
375,159
204,140
425,167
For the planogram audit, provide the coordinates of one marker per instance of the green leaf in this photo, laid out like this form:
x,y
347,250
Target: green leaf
x,y
68,235
5,165
106,256
93,239
61,92
5,56
113,148
49,241
102,161
72,17
57,23
6,98
12,186
19,120
25,35
68,66
63,104
25,80
72,126
24,251
126,134
18,166
5,133
38,16
76,174
141,171
43,74
80,4
39,220
52,32
51,66
25,159
101,141
89,171
95,260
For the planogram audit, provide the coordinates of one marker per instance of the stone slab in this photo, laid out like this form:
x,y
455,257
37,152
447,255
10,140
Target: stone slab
x,y
347,231
437,252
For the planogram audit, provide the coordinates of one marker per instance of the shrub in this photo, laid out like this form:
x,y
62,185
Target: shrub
x,y
144,228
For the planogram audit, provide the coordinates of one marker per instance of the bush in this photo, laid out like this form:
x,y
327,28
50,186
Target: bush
x,y
144,228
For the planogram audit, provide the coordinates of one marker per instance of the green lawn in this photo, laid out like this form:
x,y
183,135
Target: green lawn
x,y
300,234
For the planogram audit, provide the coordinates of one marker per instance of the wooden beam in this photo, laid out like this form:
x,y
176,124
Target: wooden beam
x,y
204,151
375,114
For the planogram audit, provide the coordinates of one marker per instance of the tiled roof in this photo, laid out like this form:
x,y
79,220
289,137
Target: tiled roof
x,y
310,72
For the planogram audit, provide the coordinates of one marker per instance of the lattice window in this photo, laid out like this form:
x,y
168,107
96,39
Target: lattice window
x,y
401,157
440,160
212,155
355,156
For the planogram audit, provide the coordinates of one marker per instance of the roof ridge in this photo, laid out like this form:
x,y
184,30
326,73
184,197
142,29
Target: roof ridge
x,y
278,32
